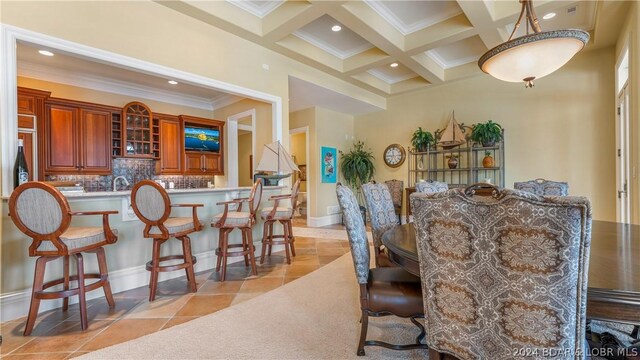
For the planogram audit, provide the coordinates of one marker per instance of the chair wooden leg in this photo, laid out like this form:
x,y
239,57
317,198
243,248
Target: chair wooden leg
x,y
155,259
245,247
270,244
65,271
82,300
38,281
363,333
104,274
285,229
219,249
224,249
265,239
252,255
293,239
186,248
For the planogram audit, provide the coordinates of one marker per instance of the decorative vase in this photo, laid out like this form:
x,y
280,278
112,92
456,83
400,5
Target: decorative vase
x,y
488,161
453,162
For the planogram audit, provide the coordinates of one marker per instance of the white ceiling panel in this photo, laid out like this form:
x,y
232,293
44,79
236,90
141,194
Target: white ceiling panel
x,y
392,75
342,44
411,16
257,8
303,95
458,53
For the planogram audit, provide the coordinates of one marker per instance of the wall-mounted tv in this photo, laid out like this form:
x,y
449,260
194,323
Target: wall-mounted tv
x,y
201,139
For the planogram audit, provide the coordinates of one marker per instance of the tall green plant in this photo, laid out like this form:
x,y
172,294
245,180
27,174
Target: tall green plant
x,y
356,166
487,133
421,140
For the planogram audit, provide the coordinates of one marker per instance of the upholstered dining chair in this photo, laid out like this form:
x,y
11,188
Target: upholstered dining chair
x,y
383,291
502,272
431,187
382,215
41,212
543,187
284,215
237,219
395,188
152,205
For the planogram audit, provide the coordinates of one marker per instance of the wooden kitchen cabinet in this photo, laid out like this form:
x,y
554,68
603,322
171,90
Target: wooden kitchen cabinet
x,y
31,115
77,138
170,162
202,164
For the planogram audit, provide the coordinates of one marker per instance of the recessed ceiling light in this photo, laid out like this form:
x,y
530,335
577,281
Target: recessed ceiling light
x,y
336,28
548,16
394,65
45,52
172,82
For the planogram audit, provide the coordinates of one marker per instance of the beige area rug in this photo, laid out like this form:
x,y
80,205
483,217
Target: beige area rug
x,y
314,317
324,233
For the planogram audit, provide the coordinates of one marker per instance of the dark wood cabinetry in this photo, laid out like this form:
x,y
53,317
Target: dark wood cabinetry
x,y
31,114
203,162
170,162
77,138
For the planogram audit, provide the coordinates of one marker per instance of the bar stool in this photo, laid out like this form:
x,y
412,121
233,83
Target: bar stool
x,y
41,212
285,216
238,219
152,205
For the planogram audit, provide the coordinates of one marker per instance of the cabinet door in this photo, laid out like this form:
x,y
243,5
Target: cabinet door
x,y
194,164
26,105
61,133
27,137
95,141
212,164
170,147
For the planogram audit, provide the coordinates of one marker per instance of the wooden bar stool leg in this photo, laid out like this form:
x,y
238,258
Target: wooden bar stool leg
x,y
104,276
252,256
155,264
38,281
225,240
184,256
82,300
219,249
186,249
285,229
293,239
245,247
270,237
265,238
65,271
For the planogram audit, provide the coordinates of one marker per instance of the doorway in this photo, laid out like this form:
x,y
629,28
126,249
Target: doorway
x,y
241,127
299,146
623,203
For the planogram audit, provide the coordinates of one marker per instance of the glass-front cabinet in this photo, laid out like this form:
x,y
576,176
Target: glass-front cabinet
x,y
139,136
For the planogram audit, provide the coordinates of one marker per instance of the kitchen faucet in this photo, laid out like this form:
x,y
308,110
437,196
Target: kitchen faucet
x,y
115,181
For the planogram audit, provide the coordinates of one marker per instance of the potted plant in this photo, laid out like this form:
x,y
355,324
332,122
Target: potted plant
x,y
453,161
421,140
488,161
487,133
357,168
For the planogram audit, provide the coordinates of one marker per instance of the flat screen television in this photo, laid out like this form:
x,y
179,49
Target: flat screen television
x,y
201,139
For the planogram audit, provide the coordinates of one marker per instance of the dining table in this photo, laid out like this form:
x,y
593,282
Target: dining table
x,y
614,267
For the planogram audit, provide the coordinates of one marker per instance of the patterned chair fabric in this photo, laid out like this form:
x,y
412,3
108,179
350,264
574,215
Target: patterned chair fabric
x,y
395,188
431,187
503,273
150,202
543,187
356,232
174,225
282,213
39,211
77,238
381,210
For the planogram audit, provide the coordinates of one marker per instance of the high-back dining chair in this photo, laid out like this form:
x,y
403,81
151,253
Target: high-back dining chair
x,y
383,291
543,187
431,187
502,272
238,219
41,212
383,217
283,214
395,188
152,205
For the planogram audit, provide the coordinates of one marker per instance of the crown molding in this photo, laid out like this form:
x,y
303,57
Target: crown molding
x,y
391,79
99,83
225,100
330,49
433,54
259,11
406,29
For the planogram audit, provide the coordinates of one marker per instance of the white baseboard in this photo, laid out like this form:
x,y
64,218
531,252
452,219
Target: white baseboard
x,y
16,305
324,220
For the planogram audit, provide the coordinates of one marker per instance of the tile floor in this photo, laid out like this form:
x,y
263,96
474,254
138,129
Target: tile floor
x,y
57,334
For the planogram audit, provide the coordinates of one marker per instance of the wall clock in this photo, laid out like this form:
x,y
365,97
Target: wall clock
x,y
394,155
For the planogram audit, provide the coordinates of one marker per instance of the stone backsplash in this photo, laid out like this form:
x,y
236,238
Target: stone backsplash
x,y
133,170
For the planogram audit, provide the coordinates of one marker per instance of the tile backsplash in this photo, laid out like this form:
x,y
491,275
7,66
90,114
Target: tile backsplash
x,y
133,170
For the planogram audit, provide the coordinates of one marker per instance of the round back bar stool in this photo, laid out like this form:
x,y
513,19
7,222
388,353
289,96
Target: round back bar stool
x,y
152,205
238,219
41,212
284,215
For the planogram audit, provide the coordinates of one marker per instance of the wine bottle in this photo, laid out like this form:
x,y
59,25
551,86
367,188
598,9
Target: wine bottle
x,y
20,170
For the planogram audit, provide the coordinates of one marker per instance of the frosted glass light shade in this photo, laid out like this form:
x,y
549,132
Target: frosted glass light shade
x,y
533,56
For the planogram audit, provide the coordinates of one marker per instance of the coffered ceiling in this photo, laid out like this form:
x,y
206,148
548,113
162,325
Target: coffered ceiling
x,y
428,42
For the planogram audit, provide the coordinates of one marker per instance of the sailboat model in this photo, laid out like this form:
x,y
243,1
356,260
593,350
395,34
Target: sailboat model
x,y
277,160
452,135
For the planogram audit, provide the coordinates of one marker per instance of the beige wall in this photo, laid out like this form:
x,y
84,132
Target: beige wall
x,y
245,178
562,129
298,147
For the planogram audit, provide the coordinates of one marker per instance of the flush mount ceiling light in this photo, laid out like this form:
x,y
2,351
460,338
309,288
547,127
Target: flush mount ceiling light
x,y
394,65
534,55
172,82
336,28
45,52
548,16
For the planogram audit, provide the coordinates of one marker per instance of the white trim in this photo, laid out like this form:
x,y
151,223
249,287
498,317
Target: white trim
x,y
259,11
391,79
433,54
8,86
100,83
225,101
232,144
330,49
404,28
323,220
305,130
245,127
